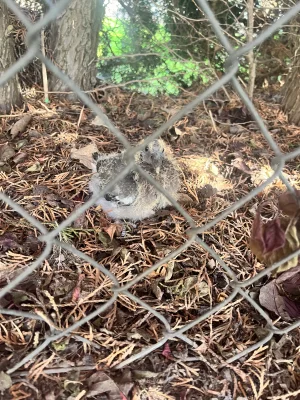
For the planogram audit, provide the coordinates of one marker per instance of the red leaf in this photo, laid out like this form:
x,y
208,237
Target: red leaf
x,y
292,307
282,295
289,203
270,298
77,289
273,236
167,351
289,282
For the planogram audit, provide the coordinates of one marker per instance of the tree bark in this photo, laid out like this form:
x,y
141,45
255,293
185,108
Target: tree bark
x,y
74,42
10,95
291,88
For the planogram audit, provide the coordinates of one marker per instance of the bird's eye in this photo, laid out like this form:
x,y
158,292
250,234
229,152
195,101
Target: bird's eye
x,y
147,148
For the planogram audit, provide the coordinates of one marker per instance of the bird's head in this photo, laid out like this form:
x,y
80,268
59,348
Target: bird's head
x,y
153,153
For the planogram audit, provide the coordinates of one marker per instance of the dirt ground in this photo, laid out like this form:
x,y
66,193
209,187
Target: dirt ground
x,y
222,156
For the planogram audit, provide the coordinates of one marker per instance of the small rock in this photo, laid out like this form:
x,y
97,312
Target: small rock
x,y
6,152
5,168
34,134
235,129
5,381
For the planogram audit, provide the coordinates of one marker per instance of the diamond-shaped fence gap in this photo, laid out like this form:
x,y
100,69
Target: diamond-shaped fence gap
x,y
227,251
217,258
27,271
209,312
88,259
85,99
259,344
172,255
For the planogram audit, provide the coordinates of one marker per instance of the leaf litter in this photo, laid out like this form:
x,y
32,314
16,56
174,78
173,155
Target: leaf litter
x,y
51,179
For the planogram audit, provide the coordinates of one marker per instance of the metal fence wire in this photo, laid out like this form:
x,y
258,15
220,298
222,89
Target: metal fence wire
x,y
49,237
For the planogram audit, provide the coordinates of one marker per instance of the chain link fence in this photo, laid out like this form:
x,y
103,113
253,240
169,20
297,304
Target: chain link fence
x,y
49,237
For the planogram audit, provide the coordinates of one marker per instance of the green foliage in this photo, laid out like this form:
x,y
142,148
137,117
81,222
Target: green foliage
x,y
160,71
165,47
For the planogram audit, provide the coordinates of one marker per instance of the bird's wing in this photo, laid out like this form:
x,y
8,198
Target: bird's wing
x,y
124,192
108,167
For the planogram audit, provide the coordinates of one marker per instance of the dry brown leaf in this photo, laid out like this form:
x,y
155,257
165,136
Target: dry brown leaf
x,y
8,241
157,290
125,382
270,298
98,121
104,239
20,126
289,282
100,383
20,157
185,199
240,164
85,154
111,230
54,200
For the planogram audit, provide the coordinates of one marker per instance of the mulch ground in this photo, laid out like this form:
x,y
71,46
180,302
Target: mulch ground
x,y
223,156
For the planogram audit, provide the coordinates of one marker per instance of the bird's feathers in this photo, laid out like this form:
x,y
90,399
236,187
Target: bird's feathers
x,y
133,197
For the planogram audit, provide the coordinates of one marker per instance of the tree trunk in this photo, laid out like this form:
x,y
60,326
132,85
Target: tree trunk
x,y
10,95
291,88
74,42
291,98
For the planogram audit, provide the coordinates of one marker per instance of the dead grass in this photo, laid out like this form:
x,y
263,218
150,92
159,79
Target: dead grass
x,y
49,185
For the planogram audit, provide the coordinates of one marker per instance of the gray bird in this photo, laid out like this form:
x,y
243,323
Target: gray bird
x,y
134,198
